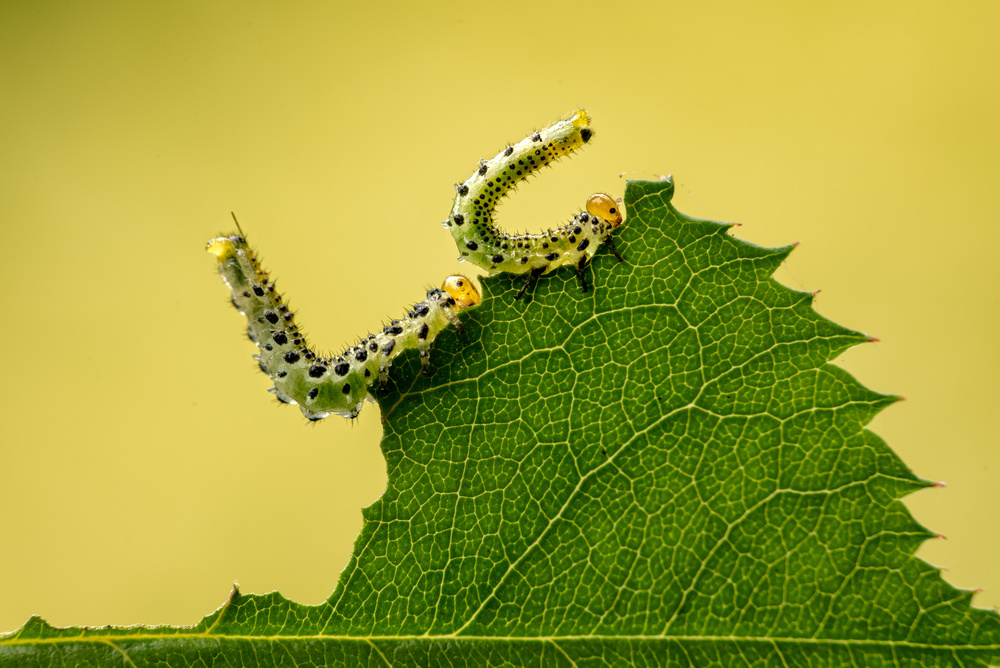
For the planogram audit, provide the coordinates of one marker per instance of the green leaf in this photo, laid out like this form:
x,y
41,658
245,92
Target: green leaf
x,y
664,471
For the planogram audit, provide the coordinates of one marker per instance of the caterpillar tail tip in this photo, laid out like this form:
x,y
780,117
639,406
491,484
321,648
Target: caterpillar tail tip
x,y
220,247
579,118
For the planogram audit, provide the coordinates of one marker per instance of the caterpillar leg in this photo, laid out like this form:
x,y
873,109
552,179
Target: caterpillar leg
x,y
458,324
581,273
529,281
614,249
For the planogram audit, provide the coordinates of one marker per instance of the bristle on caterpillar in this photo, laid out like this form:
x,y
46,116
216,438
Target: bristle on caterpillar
x,y
325,385
479,240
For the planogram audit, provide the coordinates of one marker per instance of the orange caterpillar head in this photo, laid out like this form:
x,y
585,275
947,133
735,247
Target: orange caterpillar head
x,y
462,291
604,207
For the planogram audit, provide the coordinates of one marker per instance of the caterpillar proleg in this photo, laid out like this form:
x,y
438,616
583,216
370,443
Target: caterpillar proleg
x,y
482,243
338,384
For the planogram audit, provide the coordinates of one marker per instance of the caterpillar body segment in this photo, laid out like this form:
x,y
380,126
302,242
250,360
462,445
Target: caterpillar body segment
x,y
478,239
325,385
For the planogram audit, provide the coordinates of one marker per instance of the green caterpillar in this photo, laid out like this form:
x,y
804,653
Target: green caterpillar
x,y
480,242
338,384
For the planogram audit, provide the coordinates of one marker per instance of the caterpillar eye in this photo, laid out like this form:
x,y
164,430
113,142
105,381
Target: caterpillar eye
x,y
462,291
603,206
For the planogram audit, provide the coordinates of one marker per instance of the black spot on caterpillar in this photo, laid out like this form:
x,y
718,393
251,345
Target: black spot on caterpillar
x,y
328,384
574,244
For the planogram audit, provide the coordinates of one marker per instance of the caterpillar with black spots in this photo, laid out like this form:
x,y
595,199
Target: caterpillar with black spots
x,y
328,385
479,240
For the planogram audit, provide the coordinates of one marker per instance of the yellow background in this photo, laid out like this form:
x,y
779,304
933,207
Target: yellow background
x,y
143,467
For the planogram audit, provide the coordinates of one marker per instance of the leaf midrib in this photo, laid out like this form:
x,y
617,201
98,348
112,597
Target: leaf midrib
x,y
851,642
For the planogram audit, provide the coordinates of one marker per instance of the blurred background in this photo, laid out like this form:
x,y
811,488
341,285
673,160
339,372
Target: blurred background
x,y
143,467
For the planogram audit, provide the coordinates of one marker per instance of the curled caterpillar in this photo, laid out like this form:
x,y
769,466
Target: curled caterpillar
x,y
480,242
328,385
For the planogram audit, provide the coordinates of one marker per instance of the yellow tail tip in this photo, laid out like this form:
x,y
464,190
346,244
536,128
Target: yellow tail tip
x,y
221,247
579,118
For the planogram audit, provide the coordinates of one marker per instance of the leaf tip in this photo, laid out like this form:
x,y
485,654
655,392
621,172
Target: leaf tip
x,y
661,186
